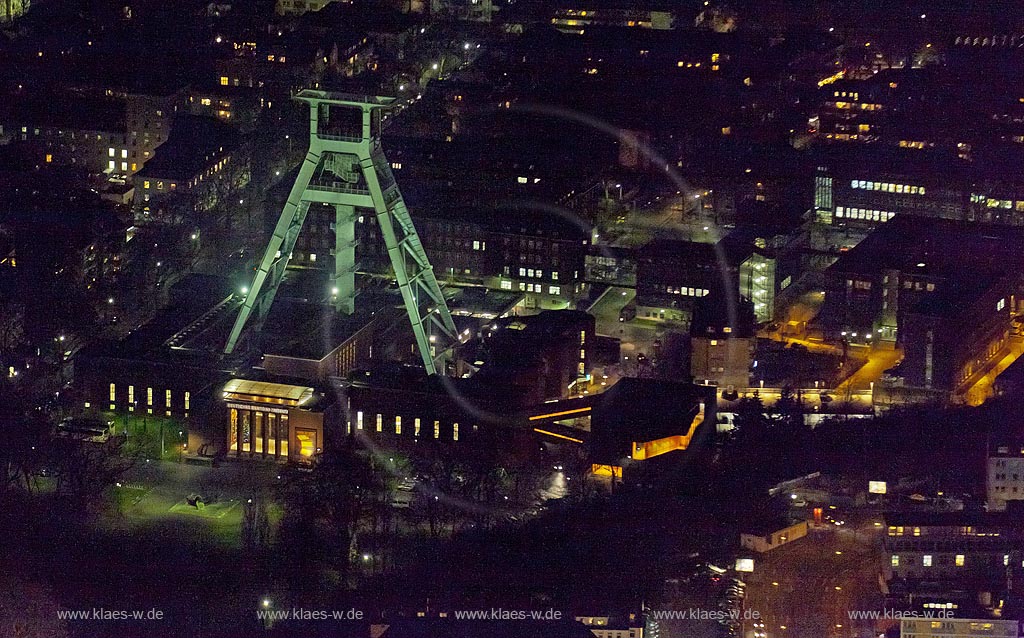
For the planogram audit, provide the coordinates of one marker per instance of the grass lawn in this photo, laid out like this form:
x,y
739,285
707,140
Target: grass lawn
x,y
144,433
213,510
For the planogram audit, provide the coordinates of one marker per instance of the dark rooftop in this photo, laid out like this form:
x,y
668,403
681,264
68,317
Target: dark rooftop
x,y
191,148
945,247
68,110
953,519
452,628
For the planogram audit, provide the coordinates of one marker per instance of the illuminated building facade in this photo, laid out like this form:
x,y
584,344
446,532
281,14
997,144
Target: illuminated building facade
x,y
273,421
576,18
115,133
201,165
961,549
1004,475
950,626
541,258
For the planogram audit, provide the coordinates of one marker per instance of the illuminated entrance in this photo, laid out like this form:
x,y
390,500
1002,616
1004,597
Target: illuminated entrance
x,y
271,421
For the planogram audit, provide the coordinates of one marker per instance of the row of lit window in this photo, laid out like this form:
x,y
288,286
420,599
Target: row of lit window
x,y
687,292
864,213
149,398
112,165
864,106
917,285
532,272
992,202
927,560
887,187
525,287
379,424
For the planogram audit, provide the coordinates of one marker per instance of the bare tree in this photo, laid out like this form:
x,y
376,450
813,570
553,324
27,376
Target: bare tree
x,y
12,328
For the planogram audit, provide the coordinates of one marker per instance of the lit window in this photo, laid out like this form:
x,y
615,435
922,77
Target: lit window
x,y
416,427
927,560
380,423
506,284
113,392
398,425
895,560
223,80
455,431
124,166
959,560
359,420
124,153
437,429
149,396
312,256
49,158
110,152
167,399
131,396
188,400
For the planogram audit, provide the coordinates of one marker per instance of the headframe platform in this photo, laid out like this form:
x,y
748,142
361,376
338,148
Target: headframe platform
x,y
345,168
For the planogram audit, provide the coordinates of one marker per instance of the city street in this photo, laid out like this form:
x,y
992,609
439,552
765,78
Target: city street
x,y
805,589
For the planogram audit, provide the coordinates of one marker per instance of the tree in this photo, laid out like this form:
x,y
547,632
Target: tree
x,y
12,329
83,470
331,500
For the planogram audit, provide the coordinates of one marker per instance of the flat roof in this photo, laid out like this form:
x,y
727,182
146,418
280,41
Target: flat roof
x,y
303,329
945,247
952,519
264,391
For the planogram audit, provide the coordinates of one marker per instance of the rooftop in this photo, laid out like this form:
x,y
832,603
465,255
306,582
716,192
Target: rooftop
x,y
962,518
66,110
192,146
266,392
934,247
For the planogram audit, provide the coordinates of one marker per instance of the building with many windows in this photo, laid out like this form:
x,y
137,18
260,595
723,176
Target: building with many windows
x,y
202,163
1005,475
114,132
873,286
952,627
540,256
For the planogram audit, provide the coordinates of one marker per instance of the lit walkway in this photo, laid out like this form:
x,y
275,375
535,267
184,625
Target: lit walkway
x,y
979,387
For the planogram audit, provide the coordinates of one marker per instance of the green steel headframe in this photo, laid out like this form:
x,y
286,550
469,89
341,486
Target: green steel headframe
x,y
345,167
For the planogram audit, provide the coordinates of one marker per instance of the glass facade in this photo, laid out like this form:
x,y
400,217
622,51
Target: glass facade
x,y
261,432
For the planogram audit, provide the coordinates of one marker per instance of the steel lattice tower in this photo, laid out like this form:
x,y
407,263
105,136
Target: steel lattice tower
x,y
345,167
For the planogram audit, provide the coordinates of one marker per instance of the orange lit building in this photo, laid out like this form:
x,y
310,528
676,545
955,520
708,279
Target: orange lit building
x,y
642,419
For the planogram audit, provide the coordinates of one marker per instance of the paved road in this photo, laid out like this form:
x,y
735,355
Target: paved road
x,y
806,589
